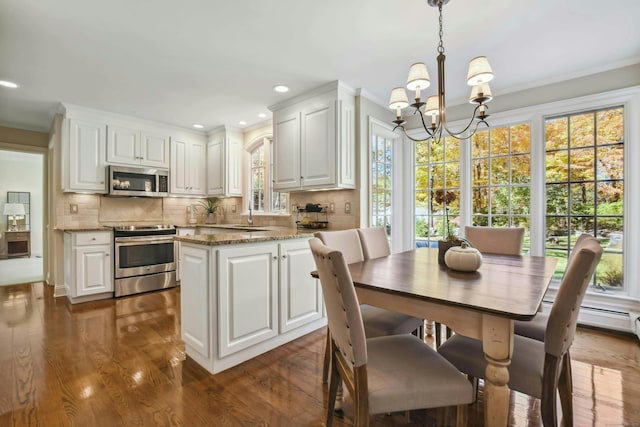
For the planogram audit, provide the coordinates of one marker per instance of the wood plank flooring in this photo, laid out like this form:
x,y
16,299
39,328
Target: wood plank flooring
x,y
121,363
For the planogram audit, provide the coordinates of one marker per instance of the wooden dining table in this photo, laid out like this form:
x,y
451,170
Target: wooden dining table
x,y
481,304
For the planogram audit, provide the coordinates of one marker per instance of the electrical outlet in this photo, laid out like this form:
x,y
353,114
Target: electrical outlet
x,y
294,208
332,207
188,209
347,207
233,208
73,208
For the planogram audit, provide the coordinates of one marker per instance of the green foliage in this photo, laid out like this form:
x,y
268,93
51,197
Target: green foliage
x,y
210,205
611,277
422,229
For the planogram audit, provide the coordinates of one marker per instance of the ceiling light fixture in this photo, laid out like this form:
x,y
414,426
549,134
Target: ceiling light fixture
x,y
281,88
262,115
198,126
479,75
8,84
242,123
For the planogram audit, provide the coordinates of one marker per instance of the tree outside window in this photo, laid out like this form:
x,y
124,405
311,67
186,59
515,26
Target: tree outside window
x,y
585,188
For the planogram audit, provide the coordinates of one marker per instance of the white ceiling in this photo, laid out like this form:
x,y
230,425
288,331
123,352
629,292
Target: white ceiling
x,y
215,61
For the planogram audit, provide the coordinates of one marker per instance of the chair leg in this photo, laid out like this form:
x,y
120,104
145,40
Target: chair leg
x,y
437,330
461,416
327,358
449,332
549,390
333,391
566,393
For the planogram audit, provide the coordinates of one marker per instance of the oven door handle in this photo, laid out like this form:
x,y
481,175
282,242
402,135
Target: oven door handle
x,y
129,241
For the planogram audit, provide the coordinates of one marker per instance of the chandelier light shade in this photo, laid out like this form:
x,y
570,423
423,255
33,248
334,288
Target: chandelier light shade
x,y
479,71
398,99
14,211
478,76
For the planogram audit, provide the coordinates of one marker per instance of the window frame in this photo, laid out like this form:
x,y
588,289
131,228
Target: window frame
x,y
266,142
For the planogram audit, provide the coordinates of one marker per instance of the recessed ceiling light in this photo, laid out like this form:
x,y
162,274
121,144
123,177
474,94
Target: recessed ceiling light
x,y
198,126
8,84
242,123
281,88
262,115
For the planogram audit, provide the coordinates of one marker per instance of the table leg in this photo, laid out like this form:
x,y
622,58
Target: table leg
x,y
497,344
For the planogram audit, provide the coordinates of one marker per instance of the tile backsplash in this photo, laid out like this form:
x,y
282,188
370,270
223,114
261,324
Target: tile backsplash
x,y
94,210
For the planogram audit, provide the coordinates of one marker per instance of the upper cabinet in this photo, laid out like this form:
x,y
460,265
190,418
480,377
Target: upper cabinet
x,y
132,146
83,158
188,163
224,164
314,140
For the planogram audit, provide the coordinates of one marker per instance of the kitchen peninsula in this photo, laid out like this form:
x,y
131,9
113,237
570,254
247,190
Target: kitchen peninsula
x,y
245,292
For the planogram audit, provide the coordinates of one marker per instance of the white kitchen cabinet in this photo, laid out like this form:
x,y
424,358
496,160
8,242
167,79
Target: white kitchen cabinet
x,y
224,164
239,289
248,296
314,140
188,162
300,294
182,232
88,269
84,160
132,146
197,328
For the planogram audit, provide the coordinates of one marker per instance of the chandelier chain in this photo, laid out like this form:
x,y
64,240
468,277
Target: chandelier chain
x,y
440,45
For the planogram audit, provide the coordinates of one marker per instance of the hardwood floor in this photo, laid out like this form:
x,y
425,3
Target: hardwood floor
x,y
121,363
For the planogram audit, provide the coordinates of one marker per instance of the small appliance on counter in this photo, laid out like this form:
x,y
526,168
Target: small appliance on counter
x,y
312,216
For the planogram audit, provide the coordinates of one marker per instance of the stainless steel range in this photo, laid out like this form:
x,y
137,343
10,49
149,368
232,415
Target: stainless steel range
x,y
145,258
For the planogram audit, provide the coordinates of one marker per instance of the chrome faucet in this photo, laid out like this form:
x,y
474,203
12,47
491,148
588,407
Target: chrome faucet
x,y
250,219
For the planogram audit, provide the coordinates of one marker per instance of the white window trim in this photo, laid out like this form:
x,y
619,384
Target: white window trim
x,y
608,308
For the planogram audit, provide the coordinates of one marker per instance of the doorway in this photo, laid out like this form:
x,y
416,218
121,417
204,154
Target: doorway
x,y
21,174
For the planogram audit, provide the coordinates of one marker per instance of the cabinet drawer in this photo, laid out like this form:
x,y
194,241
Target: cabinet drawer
x,y
17,237
92,238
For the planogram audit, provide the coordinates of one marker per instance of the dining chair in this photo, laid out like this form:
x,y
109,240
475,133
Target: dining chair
x,y
377,321
537,327
540,369
383,374
375,244
493,240
496,240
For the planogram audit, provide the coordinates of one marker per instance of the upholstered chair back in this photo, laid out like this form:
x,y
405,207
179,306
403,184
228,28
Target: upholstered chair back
x,y
347,241
374,242
343,308
563,317
496,240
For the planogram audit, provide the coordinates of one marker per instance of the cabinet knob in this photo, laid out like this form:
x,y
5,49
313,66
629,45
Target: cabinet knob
x,y
284,256
93,238
101,182
106,254
275,258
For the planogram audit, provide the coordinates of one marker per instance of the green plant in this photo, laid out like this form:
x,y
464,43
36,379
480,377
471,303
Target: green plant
x,y
611,277
211,205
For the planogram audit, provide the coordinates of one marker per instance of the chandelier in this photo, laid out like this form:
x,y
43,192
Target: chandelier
x,y
479,75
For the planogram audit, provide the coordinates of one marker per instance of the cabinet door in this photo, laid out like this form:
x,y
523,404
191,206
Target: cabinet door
x,y
248,296
195,288
215,167
93,270
154,150
123,145
286,150
233,170
300,294
197,168
179,176
318,145
347,146
87,148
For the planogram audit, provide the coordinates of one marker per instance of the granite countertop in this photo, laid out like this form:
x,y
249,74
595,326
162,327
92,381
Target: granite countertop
x,y
245,236
84,228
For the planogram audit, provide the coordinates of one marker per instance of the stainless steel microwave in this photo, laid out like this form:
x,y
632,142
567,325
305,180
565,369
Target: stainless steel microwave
x,y
141,182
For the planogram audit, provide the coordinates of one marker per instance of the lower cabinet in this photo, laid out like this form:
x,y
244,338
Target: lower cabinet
x,y
88,265
243,300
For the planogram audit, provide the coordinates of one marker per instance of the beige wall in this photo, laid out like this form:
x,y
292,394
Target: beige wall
x,y
23,138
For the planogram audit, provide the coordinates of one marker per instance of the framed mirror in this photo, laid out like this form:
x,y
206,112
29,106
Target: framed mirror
x,y
23,198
